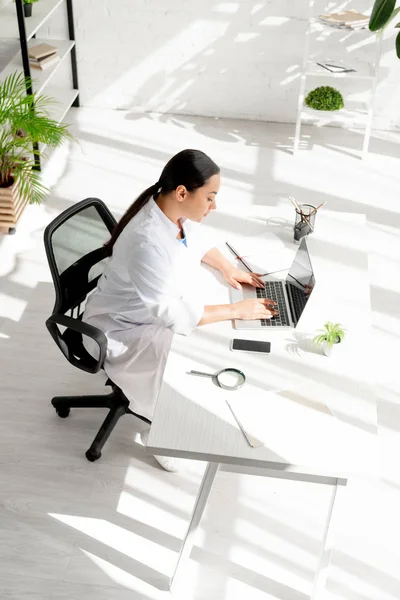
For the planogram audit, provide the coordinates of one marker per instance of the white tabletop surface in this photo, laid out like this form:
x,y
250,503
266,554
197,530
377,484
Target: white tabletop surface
x,y
320,412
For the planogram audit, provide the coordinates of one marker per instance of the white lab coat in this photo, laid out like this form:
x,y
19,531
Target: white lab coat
x,y
148,291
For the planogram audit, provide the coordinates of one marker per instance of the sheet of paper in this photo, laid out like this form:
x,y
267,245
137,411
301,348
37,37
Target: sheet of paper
x,y
264,416
264,252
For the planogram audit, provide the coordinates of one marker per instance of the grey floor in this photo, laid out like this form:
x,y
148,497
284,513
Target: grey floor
x,y
111,530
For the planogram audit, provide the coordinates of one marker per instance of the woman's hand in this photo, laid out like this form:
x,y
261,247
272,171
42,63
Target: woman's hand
x,y
249,310
255,308
235,277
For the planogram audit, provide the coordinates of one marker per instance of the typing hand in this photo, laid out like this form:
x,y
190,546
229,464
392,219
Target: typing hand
x,y
255,308
235,277
308,289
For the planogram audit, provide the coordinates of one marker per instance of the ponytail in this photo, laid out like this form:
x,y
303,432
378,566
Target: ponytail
x,y
191,168
132,211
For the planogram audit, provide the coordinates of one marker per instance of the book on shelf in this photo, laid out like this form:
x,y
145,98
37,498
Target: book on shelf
x,y
46,63
43,60
347,19
41,51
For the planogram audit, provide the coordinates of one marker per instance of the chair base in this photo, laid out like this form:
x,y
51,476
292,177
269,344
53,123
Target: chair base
x,y
116,402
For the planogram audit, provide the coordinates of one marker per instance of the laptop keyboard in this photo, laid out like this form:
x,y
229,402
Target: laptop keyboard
x,y
274,291
299,299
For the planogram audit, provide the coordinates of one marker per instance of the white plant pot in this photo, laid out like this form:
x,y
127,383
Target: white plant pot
x,y
327,349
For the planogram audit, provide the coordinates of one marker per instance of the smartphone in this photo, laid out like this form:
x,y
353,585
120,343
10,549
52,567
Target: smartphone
x,y
250,346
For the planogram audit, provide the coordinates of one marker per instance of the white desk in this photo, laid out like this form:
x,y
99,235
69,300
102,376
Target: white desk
x,y
322,427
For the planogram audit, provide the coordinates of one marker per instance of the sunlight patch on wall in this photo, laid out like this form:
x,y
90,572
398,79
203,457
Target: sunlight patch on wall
x,y
245,37
275,21
160,65
226,7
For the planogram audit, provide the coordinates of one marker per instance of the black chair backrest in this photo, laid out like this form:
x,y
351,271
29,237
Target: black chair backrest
x,y
74,244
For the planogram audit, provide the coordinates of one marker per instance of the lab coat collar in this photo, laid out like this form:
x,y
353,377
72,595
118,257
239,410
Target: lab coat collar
x,y
155,210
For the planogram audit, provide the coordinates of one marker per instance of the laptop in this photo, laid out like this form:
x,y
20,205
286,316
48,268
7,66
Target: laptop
x,y
290,295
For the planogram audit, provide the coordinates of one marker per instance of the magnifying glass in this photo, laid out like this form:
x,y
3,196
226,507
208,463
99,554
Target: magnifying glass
x,y
227,379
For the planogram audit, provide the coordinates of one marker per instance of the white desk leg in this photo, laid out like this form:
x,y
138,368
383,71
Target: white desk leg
x,y
201,501
328,542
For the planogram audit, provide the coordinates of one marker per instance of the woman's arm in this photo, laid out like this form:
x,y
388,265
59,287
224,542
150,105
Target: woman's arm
x,y
250,309
217,312
215,259
231,274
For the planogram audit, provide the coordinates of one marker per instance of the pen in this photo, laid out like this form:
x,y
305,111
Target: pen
x,y
272,272
240,426
239,257
318,207
295,203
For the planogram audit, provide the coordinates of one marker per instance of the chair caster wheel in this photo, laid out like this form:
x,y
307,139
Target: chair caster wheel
x,y
63,412
12,231
92,456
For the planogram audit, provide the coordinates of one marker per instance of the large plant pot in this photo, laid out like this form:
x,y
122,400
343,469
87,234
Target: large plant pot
x,y
11,207
28,10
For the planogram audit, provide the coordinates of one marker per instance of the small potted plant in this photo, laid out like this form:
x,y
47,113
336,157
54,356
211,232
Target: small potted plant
x,y
325,98
28,7
332,333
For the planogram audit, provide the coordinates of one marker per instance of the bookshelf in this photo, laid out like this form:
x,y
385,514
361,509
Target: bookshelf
x,y
18,34
42,11
64,99
355,114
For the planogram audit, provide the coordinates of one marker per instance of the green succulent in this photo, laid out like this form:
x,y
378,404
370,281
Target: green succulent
x,y
332,333
325,98
30,1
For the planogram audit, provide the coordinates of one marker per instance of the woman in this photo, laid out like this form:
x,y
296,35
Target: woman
x,y
149,289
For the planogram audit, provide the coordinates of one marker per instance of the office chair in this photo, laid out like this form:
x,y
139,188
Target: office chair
x,y
74,243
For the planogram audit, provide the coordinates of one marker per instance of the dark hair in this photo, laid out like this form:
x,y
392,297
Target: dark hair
x,y
191,168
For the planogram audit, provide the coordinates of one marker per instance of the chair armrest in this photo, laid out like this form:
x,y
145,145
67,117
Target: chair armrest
x,y
78,326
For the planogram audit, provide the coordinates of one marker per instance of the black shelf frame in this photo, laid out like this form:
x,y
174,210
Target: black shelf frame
x,y
25,59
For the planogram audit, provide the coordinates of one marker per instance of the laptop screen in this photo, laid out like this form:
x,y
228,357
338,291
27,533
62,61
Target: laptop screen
x,y
301,276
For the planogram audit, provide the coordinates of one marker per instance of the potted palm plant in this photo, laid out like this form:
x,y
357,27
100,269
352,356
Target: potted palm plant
x,y
332,333
24,121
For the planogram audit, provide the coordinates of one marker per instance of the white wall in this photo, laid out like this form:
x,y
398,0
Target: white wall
x,y
229,58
